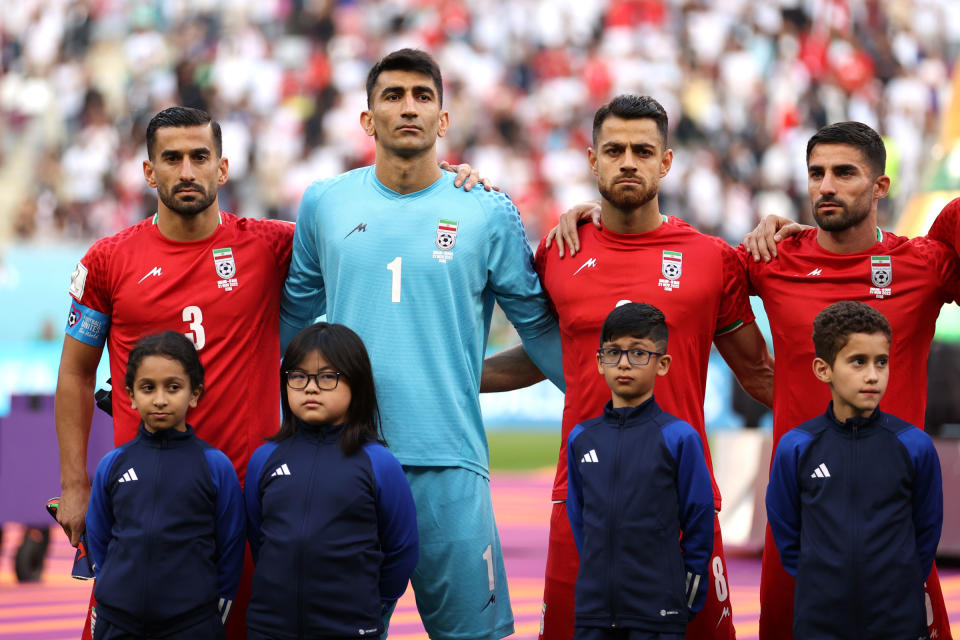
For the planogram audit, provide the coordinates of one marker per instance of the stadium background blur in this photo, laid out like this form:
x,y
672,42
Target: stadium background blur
x,y
745,84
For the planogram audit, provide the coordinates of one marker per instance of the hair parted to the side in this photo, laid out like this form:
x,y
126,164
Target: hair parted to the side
x,y
834,324
639,320
168,344
406,60
345,351
182,117
632,107
857,135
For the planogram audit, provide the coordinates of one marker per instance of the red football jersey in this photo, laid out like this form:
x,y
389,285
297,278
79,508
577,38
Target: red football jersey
x,y
946,228
907,280
695,279
222,292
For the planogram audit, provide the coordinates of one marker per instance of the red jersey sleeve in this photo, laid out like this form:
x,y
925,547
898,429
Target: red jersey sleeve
x,y
746,262
90,281
735,308
943,261
946,228
278,235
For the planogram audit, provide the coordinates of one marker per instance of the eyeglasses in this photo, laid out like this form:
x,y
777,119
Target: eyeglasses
x,y
636,357
326,380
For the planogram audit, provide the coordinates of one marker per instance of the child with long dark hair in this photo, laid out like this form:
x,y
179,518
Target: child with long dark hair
x,y
165,522
331,520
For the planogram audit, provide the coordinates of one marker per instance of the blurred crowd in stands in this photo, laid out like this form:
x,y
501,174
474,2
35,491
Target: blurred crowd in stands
x,y
746,82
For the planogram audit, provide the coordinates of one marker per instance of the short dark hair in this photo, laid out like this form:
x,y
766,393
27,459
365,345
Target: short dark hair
x,y
344,350
406,60
168,344
182,117
632,107
857,135
639,320
834,324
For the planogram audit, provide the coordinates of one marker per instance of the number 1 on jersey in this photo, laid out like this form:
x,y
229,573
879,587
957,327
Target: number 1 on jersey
x,y
395,267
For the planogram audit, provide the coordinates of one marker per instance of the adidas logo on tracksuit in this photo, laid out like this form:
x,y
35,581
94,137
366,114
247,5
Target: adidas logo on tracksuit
x,y
282,470
128,476
589,456
820,472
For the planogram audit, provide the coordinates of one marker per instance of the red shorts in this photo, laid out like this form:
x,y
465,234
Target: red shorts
x,y
776,599
236,622
713,622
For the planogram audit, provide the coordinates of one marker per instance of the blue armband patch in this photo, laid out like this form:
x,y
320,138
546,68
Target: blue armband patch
x,y
87,325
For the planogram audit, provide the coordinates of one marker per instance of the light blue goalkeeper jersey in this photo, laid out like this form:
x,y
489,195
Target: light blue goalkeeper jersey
x,y
416,277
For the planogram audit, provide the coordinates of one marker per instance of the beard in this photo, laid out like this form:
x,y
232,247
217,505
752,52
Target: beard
x,y
201,200
850,215
628,199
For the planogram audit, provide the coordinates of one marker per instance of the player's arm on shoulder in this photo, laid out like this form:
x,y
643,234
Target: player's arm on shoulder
x,y
566,233
509,369
467,176
745,351
761,243
303,292
927,495
515,283
73,413
783,499
230,528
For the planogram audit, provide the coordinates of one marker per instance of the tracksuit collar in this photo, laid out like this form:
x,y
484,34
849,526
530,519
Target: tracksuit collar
x,y
165,437
857,422
625,415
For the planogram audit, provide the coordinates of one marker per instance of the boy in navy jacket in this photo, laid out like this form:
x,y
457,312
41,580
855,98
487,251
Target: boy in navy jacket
x,y
855,501
638,479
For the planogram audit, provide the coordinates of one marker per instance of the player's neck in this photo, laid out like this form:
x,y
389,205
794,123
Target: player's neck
x,y
407,174
856,239
641,220
181,228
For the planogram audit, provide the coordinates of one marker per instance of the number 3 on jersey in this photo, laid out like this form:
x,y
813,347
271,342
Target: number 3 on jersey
x,y
194,317
395,267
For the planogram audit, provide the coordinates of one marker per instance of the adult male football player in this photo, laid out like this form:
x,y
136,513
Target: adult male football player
x,y
846,257
639,255
414,266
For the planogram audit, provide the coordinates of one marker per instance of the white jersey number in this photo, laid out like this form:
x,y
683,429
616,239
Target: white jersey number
x,y
488,556
194,316
395,267
719,580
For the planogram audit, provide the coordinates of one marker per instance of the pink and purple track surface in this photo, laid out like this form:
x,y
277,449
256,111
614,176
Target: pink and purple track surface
x,y
54,608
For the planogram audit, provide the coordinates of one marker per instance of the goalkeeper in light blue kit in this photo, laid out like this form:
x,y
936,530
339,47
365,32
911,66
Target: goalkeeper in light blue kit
x,y
414,265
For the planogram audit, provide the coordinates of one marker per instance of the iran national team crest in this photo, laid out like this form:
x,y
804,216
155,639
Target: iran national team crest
x,y
881,270
223,261
672,265
226,268
446,234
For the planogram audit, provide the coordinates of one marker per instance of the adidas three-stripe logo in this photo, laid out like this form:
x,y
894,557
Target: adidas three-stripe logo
x,y
282,470
589,456
129,476
820,472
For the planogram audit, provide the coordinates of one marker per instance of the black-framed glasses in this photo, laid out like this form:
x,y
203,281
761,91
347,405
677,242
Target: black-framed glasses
x,y
637,357
326,380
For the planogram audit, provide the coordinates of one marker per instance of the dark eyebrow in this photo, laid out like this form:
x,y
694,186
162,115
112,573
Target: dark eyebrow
x,y
845,167
167,153
420,88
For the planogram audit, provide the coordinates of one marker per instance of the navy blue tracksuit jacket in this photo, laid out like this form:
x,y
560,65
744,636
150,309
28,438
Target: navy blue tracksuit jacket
x,y
165,528
856,509
334,537
637,478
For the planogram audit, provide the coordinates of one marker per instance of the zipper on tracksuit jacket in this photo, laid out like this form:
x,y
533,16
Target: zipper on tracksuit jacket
x,y
301,626
858,614
612,528
150,529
